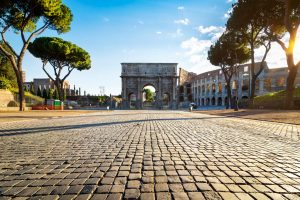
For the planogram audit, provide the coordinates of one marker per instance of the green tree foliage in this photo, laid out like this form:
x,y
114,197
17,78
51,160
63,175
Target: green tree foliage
x,y
149,94
55,94
50,93
103,100
39,92
62,55
45,95
64,94
283,16
248,21
29,19
7,73
5,83
32,89
227,53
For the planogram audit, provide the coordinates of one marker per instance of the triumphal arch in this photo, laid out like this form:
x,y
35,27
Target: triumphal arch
x,y
161,76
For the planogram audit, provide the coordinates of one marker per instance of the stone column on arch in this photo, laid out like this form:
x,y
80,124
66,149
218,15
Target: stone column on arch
x,y
125,100
174,84
139,94
159,93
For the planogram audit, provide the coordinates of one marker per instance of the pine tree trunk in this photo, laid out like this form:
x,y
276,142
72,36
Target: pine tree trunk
x,y
229,96
289,100
253,88
292,73
22,103
61,98
58,87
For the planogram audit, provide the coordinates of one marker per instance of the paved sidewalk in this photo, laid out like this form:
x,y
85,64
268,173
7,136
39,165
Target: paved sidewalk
x,y
149,155
283,116
11,116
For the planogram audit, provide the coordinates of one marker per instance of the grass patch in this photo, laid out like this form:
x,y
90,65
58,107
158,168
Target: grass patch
x,y
274,100
29,98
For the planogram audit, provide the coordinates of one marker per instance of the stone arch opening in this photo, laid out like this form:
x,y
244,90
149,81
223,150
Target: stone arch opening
x,y
213,101
208,102
148,96
202,102
220,101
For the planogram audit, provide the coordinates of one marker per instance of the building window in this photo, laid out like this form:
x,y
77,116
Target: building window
x,y
213,88
245,85
220,87
280,82
235,85
208,88
268,84
181,89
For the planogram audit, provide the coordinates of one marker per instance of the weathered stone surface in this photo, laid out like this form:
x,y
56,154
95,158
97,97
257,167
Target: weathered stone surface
x,y
162,76
147,155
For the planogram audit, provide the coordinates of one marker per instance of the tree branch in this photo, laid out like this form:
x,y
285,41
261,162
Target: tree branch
x,y
70,69
261,66
4,40
40,30
44,64
287,15
11,58
23,37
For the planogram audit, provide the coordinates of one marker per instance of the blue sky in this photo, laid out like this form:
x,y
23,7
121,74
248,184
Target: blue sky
x,y
116,31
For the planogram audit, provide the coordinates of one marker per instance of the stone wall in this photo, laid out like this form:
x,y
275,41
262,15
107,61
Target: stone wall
x,y
5,97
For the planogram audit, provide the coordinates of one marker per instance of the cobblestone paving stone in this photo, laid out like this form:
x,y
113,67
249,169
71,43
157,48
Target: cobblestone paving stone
x,y
149,155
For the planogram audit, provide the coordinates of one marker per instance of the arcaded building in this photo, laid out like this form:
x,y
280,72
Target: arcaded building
x,y
209,88
45,83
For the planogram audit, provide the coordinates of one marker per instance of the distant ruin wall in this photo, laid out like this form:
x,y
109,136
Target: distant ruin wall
x,y
185,76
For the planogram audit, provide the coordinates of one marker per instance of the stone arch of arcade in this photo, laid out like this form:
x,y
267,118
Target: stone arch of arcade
x,y
162,76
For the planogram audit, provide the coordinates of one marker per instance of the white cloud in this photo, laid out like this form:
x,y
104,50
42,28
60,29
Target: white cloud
x,y
180,8
210,29
195,46
158,32
196,53
185,21
213,31
231,1
195,50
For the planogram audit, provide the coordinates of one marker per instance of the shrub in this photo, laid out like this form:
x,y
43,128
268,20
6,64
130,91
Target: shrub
x,y
243,103
4,83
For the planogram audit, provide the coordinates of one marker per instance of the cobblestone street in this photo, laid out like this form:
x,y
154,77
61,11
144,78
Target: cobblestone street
x,y
149,155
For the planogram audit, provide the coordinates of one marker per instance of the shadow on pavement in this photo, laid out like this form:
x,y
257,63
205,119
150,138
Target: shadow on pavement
x,y
21,131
